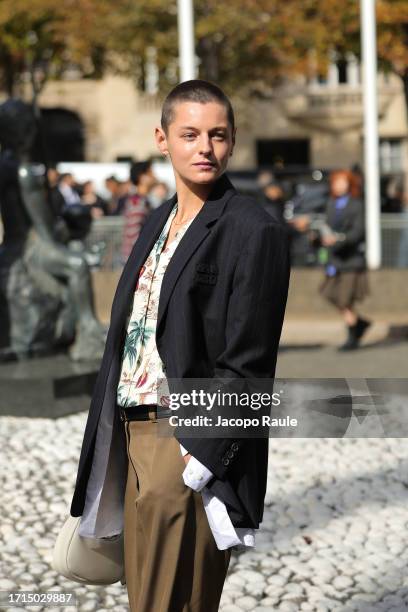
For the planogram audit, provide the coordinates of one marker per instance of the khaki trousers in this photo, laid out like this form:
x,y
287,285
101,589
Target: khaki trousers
x,y
172,563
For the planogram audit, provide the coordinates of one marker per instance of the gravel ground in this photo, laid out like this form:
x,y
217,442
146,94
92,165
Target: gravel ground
x,y
334,535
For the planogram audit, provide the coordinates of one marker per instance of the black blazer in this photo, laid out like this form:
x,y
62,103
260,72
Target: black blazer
x,y
347,254
220,314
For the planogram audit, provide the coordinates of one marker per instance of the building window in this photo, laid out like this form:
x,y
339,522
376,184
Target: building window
x,y
342,71
283,152
391,155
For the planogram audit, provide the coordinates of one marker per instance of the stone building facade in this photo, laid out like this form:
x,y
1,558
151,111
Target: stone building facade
x,y
317,123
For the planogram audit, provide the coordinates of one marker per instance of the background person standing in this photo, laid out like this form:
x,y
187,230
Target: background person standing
x,y
137,205
272,199
346,279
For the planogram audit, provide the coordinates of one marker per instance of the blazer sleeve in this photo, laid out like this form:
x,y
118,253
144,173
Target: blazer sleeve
x,y
255,315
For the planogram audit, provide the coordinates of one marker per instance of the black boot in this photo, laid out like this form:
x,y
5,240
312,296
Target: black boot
x,y
361,327
352,339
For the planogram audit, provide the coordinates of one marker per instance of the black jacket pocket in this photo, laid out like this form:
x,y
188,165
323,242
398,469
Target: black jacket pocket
x,y
206,273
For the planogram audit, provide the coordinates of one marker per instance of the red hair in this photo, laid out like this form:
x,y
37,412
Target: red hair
x,y
354,182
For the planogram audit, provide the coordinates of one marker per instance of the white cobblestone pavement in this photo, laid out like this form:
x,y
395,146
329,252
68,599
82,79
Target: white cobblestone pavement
x,y
334,535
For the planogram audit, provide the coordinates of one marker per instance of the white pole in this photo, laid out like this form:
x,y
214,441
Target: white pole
x,y
186,40
370,108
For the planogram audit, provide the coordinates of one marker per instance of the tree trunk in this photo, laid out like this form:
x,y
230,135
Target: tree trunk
x,y
404,77
8,69
209,57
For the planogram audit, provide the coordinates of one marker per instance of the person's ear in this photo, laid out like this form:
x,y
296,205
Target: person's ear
x,y
161,141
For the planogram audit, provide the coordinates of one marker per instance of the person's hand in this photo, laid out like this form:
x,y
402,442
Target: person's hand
x,y
187,458
329,240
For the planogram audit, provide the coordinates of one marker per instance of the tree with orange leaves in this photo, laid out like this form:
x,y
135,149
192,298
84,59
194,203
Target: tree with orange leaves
x,y
248,46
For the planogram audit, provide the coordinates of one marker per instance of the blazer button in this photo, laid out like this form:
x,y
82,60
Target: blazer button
x,y
234,446
225,461
230,454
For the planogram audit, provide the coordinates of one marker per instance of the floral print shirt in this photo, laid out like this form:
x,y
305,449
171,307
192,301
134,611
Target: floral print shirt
x,y
142,368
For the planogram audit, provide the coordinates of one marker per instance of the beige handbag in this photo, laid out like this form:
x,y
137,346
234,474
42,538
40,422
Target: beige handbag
x,y
87,560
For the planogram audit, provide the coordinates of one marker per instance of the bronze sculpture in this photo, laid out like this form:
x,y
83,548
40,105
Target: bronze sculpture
x,y
46,296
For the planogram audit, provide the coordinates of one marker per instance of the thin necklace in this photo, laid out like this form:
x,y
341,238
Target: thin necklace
x,y
182,222
186,220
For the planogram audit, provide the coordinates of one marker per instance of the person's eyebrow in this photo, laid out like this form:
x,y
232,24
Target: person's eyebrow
x,y
218,127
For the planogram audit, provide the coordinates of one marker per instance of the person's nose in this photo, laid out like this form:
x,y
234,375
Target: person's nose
x,y
205,144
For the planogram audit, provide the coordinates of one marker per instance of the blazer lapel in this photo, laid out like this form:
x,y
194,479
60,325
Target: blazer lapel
x,y
199,229
137,257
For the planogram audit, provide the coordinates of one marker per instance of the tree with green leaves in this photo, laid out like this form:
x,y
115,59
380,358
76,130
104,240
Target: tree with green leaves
x,y
49,37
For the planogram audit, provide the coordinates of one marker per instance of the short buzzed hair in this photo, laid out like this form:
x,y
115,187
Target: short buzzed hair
x,y
195,90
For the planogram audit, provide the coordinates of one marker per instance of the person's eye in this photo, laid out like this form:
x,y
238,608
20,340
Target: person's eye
x,y
220,136
188,136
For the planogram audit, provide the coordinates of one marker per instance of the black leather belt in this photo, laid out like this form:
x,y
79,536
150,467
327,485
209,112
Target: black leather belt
x,y
141,413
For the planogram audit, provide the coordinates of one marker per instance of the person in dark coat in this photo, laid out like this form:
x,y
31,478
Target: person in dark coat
x,y
273,201
346,279
201,296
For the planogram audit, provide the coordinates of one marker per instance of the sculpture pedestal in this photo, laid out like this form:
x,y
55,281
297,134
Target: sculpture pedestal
x,y
48,387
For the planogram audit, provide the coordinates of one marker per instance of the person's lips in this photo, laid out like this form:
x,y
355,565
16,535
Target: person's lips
x,y
204,164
